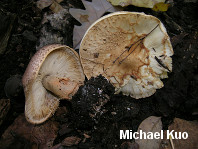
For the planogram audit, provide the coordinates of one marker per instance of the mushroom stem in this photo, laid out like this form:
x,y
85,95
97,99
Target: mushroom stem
x,y
61,87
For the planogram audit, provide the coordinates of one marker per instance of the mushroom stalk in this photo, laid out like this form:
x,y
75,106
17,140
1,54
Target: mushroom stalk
x,y
61,87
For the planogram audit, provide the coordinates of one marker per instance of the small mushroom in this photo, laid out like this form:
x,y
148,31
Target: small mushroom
x,y
53,73
132,50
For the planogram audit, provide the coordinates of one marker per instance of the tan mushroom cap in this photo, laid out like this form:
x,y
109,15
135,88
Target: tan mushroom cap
x,y
132,50
54,72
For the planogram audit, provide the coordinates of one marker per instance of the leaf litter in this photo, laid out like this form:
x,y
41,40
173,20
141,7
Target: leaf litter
x,y
52,4
180,125
190,94
156,5
151,124
93,11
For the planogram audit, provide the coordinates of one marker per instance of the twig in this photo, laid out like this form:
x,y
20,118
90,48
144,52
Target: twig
x,y
129,53
161,63
129,48
171,141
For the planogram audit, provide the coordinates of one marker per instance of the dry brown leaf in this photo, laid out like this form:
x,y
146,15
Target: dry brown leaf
x,y
8,20
129,145
4,109
139,3
156,5
54,5
179,125
69,141
151,124
41,4
94,10
42,135
161,7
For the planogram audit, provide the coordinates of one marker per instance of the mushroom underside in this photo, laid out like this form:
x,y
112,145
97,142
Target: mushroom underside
x,y
59,77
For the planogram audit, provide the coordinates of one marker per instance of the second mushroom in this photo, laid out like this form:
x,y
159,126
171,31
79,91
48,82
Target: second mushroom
x,y
53,73
132,50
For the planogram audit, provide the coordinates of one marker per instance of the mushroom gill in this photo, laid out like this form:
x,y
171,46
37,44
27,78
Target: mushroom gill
x,y
53,73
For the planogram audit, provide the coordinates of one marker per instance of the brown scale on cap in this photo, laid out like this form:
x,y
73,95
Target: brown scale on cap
x,y
124,43
53,73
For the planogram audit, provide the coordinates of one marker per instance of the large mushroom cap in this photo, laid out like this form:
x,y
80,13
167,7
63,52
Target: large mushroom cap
x,y
54,72
132,50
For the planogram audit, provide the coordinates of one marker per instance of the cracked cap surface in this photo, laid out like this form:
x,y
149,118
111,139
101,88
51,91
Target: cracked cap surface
x,y
132,50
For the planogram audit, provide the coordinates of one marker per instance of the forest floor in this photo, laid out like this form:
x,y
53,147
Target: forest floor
x,y
178,97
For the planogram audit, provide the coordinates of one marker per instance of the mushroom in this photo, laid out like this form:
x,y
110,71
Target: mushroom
x,y
132,50
53,73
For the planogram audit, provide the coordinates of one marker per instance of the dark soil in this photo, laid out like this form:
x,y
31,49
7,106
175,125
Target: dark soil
x,y
95,110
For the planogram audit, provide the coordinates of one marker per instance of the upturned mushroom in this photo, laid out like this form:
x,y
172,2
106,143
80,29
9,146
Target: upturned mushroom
x,y
132,50
53,73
